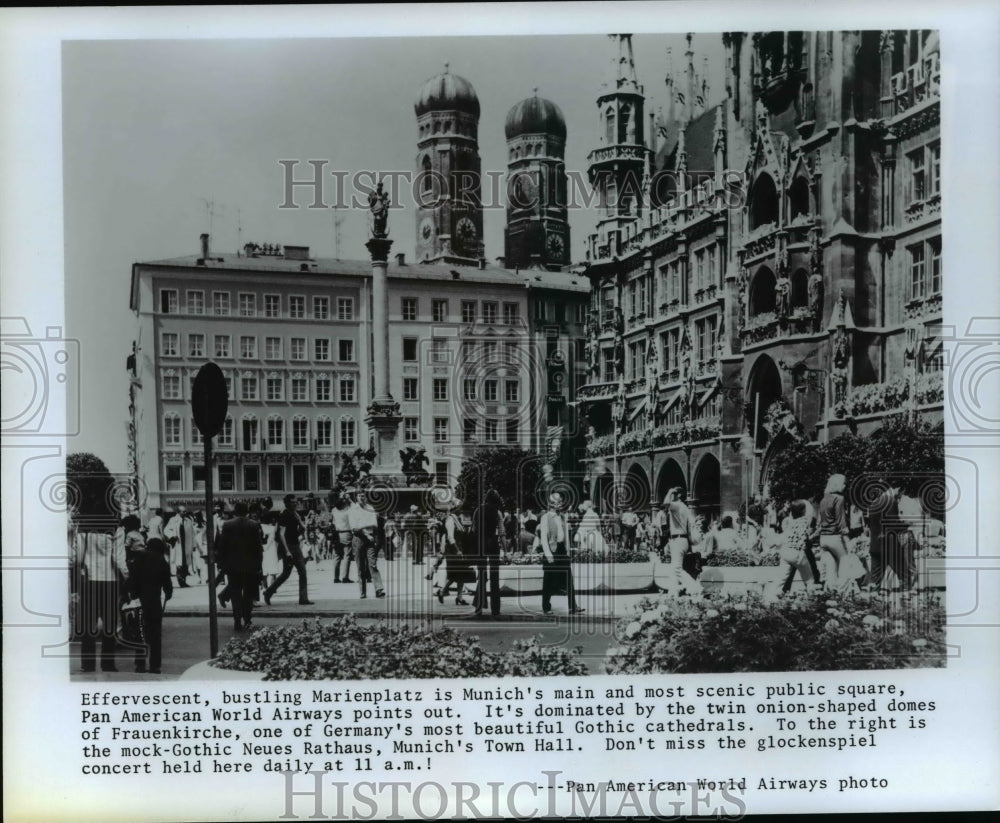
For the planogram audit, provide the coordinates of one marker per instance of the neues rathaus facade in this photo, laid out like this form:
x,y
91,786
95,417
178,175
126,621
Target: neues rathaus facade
x,y
765,268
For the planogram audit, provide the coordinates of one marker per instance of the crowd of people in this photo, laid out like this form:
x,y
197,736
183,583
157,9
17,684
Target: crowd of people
x,y
830,543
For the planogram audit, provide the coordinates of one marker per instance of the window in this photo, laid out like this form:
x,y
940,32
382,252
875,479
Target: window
x,y
440,388
510,352
227,478
171,430
671,341
439,350
490,390
608,356
272,348
196,438
492,431
169,343
272,305
276,478
198,478
321,349
250,434
345,308
468,311
300,478
918,179
633,297
300,433
489,352
409,349
324,434
409,308
346,389
300,389
513,435
705,334
298,348
345,351
275,387
916,272
229,386
347,433
468,351
439,311
226,435
248,305
248,387
934,169
251,478
511,391
248,347
168,301
196,301
296,307
469,389
222,348
441,473
935,246
490,313
580,350
321,308
174,482
511,314
541,310
171,387
196,345
324,477
220,303
410,389
580,313
440,429
410,433
324,387
275,432
469,430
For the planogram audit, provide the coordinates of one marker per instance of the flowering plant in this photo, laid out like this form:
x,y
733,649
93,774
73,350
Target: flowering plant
x,y
808,631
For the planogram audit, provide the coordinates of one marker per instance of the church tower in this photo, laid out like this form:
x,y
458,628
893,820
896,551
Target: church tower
x,y
537,232
617,167
449,188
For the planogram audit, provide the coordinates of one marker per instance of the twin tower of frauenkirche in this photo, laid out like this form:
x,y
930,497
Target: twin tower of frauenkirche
x,y
449,190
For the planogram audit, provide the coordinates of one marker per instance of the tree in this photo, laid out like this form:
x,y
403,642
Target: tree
x,y
798,471
90,486
910,454
512,471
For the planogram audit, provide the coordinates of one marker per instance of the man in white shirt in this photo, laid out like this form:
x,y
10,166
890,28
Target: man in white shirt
x,y
363,522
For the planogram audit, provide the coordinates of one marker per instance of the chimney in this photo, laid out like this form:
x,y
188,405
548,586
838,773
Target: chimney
x,y
482,264
204,247
401,259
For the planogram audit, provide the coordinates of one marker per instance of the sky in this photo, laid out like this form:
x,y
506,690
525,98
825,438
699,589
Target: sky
x,y
166,139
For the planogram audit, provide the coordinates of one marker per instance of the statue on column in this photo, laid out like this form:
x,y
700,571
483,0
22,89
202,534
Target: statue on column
x,y
841,359
652,381
378,206
782,288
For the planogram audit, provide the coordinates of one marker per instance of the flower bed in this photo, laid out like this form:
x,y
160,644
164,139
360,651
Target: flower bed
x,y
618,571
809,631
743,557
344,649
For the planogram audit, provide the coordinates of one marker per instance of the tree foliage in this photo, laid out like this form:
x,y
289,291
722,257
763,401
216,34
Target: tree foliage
x,y
89,485
514,472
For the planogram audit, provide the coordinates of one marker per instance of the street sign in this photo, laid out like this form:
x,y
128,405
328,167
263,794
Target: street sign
x,y
209,400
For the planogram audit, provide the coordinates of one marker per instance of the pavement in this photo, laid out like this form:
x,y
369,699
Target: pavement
x,y
409,595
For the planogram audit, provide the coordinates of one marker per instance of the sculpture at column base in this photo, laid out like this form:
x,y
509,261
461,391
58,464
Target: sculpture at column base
x,y
383,419
378,248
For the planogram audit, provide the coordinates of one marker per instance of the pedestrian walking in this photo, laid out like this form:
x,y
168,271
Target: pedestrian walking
x,y
487,532
149,579
364,526
241,551
683,534
833,532
289,536
589,534
458,569
557,577
892,542
98,564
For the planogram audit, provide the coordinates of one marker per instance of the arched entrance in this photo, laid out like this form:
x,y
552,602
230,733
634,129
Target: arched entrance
x,y
603,492
763,388
782,440
634,492
707,487
671,474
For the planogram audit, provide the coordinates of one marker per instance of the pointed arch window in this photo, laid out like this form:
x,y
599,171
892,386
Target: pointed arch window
x,y
609,117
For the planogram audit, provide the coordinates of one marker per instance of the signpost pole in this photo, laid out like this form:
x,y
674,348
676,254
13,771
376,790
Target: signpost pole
x,y
213,615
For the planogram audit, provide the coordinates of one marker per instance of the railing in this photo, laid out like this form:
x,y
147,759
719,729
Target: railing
x,y
872,398
923,306
597,391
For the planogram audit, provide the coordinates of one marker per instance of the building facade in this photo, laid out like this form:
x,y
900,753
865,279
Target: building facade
x,y
784,280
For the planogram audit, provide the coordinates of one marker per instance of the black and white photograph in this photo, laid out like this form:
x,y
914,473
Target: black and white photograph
x,y
422,397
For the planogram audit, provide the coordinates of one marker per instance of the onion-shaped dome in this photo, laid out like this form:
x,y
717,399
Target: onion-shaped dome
x,y
447,92
535,115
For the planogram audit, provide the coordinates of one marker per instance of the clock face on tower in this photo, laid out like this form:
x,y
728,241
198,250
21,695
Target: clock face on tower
x,y
426,230
466,232
555,246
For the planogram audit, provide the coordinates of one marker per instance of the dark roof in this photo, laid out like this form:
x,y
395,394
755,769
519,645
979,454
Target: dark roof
x,y
535,115
699,144
447,92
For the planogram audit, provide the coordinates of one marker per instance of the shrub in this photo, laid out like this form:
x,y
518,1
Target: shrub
x,y
580,556
344,649
808,631
743,557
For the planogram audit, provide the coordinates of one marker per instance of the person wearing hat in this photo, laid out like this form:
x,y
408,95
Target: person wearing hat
x,y
558,576
457,568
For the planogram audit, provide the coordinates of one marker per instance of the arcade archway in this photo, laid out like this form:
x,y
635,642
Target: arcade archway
x,y
707,486
763,388
671,475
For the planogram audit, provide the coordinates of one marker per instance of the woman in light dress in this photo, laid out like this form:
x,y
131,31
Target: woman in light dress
x,y
271,566
589,534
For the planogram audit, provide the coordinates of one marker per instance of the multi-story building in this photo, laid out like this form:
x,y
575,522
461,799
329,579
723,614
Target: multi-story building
x,y
783,278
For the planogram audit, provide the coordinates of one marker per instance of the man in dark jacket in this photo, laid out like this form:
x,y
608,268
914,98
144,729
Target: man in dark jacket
x,y
241,553
150,574
892,541
487,527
